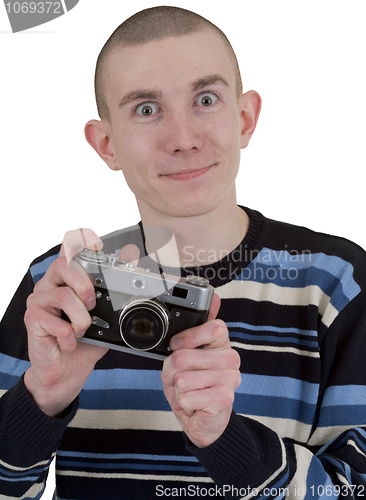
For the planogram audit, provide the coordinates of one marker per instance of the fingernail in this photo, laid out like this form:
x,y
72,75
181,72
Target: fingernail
x,y
176,343
90,304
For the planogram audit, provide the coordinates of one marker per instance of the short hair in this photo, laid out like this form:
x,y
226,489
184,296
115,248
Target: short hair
x,y
151,24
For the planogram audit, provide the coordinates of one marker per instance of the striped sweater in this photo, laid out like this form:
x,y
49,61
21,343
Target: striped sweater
x,y
294,304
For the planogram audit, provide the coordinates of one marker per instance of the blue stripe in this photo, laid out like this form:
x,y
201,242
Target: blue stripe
x,y
269,328
124,379
149,397
336,266
11,370
38,270
20,474
316,477
126,456
277,397
333,275
262,385
345,395
277,340
13,366
29,478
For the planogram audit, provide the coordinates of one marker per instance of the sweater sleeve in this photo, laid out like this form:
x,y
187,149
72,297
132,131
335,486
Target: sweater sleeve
x,y
28,437
252,460
28,442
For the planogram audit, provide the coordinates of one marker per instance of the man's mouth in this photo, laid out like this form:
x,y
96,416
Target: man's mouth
x,y
186,175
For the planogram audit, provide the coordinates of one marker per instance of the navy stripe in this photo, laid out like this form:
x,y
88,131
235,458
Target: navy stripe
x,y
123,399
128,466
8,381
275,407
342,415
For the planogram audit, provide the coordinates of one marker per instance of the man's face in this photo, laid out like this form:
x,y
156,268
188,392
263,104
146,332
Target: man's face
x,y
176,122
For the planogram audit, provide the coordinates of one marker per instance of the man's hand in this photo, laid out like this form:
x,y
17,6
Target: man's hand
x,y
60,365
199,384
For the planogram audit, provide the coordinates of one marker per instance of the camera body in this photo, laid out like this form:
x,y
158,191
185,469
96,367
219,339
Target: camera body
x,y
138,311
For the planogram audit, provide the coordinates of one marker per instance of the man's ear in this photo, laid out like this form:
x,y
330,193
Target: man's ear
x,y
99,136
250,107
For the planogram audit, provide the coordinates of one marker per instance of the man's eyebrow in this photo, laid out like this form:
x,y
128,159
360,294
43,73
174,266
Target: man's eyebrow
x,y
137,95
207,81
152,95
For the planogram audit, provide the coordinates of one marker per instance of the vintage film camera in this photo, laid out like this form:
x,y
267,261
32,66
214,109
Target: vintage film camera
x,y
138,311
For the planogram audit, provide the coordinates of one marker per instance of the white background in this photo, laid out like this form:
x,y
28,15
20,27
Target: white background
x,y
304,165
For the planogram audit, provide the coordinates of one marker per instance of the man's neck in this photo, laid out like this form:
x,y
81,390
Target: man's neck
x,y
202,239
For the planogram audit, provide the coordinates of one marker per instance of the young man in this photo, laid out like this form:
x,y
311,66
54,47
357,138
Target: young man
x,y
292,316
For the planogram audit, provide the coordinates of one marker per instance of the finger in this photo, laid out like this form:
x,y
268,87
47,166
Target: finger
x,y
185,360
129,253
75,241
211,400
45,331
213,334
215,306
52,303
203,379
60,274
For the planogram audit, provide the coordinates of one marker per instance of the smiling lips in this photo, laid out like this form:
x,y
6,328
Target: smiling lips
x,y
187,175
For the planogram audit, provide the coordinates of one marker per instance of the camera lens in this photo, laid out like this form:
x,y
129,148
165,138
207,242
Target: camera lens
x,y
143,324
142,327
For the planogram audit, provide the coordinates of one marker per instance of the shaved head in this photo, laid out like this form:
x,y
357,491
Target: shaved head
x,y
149,25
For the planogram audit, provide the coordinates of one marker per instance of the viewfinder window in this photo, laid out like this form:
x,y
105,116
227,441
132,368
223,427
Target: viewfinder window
x,y
180,292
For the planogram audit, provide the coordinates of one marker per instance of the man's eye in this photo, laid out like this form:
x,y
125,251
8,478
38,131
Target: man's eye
x,y
206,99
146,109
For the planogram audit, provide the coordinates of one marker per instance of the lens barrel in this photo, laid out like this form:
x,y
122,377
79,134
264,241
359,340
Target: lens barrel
x,y
143,323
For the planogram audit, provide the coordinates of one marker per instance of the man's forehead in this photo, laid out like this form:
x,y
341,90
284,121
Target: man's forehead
x,y
197,55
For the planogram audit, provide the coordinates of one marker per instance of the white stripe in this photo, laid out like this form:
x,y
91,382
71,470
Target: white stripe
x,y
271,292
126,419
22,469
284,427
323,435
276,348
147,477
281,295
33,492
329,315
352,443
297,487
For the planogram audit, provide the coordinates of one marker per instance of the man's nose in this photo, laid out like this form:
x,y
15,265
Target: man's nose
x,y
183,134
